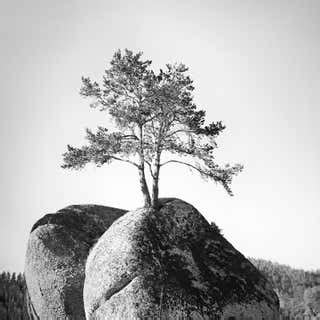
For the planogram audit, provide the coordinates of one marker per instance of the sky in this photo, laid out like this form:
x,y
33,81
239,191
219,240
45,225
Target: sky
x,y
255,66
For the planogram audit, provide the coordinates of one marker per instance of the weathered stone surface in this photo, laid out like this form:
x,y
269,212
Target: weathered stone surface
x,y
171,264
32,314
58,247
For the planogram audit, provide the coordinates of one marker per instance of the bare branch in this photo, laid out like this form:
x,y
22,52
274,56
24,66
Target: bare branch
x,y
184,163
150,168
130,136
125,160
178,131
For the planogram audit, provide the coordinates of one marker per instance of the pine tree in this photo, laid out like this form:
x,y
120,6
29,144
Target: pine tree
x,y
157,123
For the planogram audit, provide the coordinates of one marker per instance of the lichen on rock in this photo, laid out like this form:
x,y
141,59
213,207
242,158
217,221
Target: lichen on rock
x,y
171,264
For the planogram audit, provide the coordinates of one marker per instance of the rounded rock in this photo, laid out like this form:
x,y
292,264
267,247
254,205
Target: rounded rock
x,y
57,250
170,263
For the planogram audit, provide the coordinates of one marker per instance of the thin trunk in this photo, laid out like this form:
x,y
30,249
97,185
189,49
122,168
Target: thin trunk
x,y
155,191
155,184
155,176
142,177
144,187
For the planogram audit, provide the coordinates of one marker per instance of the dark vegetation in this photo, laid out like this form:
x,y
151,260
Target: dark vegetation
x,y
299,290
12,297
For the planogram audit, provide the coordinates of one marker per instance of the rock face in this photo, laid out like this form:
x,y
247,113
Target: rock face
x,y
171,264
58,247
32,314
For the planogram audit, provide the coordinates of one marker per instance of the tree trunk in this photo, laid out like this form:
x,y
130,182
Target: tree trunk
x,y
155,193
155,184
144,187
143,181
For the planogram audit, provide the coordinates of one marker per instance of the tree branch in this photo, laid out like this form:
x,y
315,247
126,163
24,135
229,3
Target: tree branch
x,y
182,162
124,160
150,168
180,130
130,136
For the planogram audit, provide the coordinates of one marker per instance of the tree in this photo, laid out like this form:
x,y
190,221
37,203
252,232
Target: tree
x,y
312,299
12,297
155,117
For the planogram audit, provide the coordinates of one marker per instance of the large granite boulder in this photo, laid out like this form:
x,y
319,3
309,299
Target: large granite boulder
x,y
32,314
172,264
58,247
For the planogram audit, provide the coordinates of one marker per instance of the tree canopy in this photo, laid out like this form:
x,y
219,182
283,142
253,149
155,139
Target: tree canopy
x,y
157,123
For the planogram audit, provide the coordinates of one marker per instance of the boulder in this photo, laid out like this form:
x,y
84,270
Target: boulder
x,y
170,263
32,314
57,249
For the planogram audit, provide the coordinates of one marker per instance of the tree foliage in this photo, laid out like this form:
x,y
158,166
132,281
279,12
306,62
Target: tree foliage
x,y
312,299
298,289
12,297
157,123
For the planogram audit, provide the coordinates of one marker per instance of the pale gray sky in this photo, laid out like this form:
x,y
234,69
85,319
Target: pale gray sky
x,y
256,67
